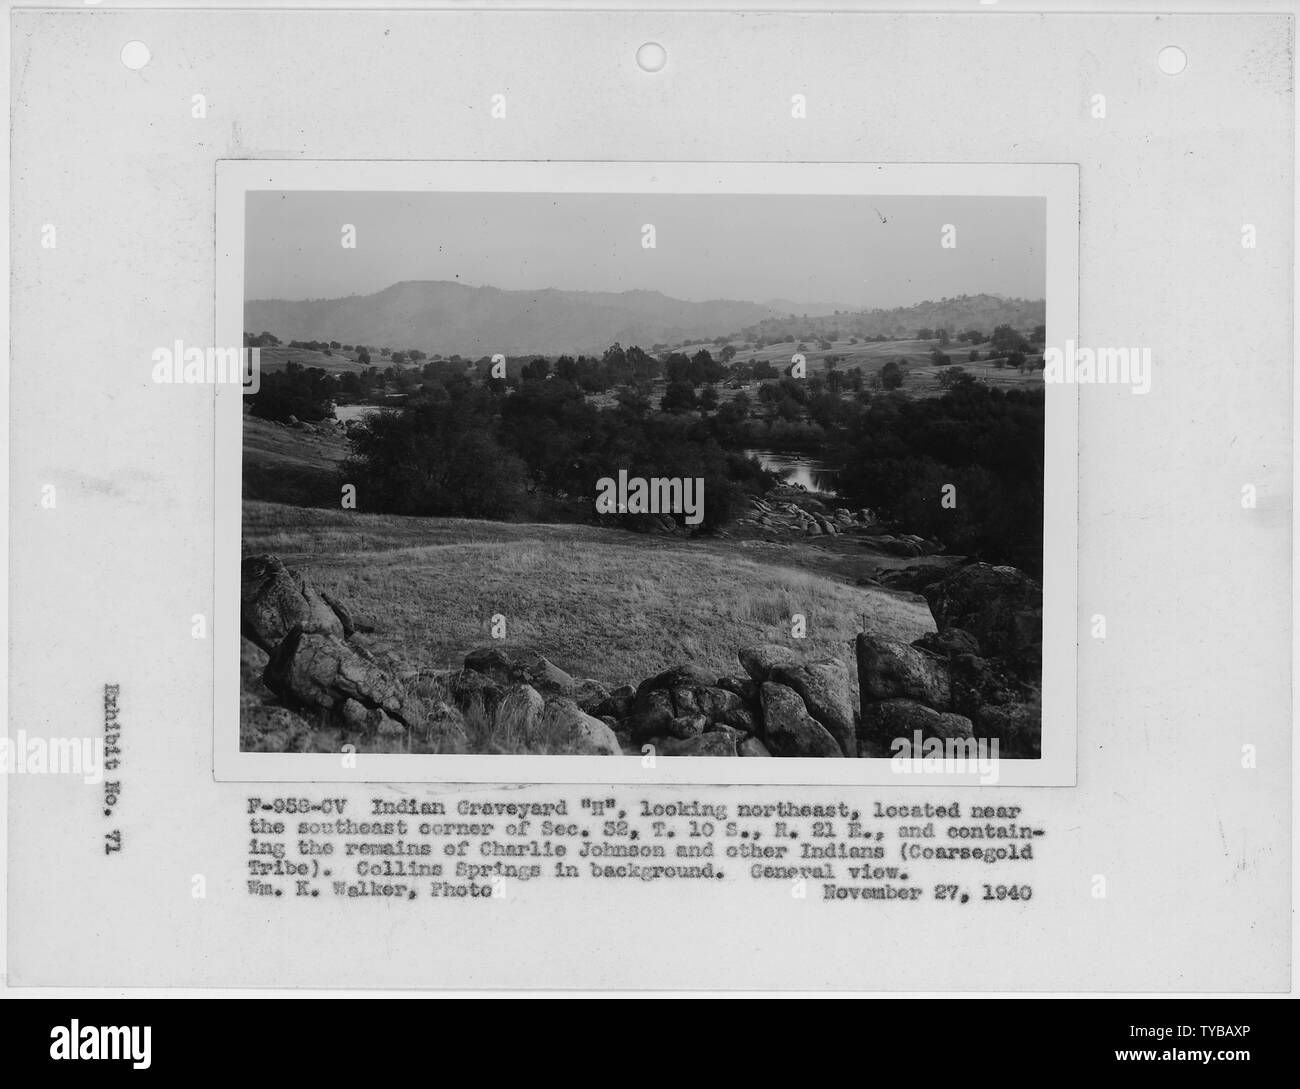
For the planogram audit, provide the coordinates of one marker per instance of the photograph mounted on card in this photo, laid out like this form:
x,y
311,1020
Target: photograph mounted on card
x,y
646,472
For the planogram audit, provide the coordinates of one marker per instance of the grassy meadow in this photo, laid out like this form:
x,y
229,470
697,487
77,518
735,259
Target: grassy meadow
x,y
602,603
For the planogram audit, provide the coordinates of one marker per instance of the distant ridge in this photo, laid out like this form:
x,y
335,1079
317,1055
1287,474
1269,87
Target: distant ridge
x,y
983,312
447,317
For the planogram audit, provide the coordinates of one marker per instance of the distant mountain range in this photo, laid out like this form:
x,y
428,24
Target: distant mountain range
x,y
447,317
983,312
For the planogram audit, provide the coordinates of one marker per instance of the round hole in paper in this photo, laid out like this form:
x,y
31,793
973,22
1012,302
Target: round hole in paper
x,y
1171,60
135,55
652,57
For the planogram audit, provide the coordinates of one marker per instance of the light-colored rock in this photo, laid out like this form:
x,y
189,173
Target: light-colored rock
x,y
709,744
788,728
760,660
274,599
824,688
565,728
891,669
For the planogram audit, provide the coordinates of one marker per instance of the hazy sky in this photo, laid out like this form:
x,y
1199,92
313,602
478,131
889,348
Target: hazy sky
x,y
821,249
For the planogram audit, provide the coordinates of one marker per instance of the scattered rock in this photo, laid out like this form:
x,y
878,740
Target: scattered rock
x,y
618,704
752,746
719,728
953,725
741,719
949,642
885,720
564,727
760,660
320,671
1001,606
520,667
977,682
651,714
548,678
890,668
710,744
589,695
274,599
492,662
745,688
682,676
687,726
1018,728
788,728
824,688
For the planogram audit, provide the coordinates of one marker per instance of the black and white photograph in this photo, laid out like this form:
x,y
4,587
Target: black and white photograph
x,y
570,499
660,475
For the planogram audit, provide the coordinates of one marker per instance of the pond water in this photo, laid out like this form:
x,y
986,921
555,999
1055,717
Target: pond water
x,y
355,412
795,467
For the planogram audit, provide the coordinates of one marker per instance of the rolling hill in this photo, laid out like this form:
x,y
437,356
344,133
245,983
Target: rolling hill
x,y
448,317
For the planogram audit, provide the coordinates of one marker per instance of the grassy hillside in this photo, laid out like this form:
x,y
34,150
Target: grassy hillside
x,y
286,465
608,604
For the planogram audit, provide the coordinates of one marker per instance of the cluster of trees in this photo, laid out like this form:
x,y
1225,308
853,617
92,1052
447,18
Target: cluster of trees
x,y
533,445
461,448
305,393
899,453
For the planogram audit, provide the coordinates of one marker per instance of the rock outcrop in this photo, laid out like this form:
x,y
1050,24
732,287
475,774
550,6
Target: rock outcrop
x,y
976,676
274,599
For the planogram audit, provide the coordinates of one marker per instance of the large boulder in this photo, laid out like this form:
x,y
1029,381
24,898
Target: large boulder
x,y
1001,606
652,713
520,666
751,746
321,672
788,728
949,643
824,688
589,695
744,687
274,599
759,661
891,669
686,726
1018,728
563,727
682,676
977,682
887,720
493,662
544,675
618,704
709,744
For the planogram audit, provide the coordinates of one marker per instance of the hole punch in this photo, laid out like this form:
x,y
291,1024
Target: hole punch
x,y
135,55
1171,60
651,57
